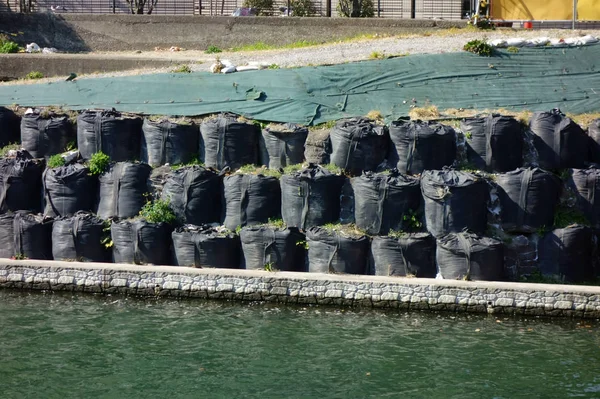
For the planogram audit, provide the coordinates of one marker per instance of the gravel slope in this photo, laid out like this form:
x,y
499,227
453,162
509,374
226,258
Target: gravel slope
x,y
336,53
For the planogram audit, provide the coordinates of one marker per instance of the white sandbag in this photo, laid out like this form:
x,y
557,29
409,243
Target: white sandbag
x,y
228,69
497,43
49,50
227,63
540,41
588,39
515,42
247,68
557,42
572,41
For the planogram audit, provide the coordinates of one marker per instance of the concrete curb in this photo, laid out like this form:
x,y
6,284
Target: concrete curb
x,y
303,288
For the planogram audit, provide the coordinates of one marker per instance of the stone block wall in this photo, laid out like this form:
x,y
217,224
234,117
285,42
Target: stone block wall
x,y
303,288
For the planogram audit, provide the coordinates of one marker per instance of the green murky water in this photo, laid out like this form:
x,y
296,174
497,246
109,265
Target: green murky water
x,y
63,346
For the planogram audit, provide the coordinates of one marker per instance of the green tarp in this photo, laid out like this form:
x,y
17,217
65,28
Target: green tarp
x,y
533,78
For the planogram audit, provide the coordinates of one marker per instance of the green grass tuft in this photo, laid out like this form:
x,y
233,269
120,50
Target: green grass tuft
x,y
158,211
213,50
98,163
182,69
56,161
34,75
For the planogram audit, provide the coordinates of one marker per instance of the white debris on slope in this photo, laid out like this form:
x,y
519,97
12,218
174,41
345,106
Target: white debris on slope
x,y
544,41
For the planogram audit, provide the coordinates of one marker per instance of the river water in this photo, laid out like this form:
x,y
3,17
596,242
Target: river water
x,y
79,346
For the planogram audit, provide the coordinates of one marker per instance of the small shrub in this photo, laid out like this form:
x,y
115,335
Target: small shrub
x,y
182,69
56,161
19,257
33,75
98,163
302,8
479,47
376,55
71,145
302,243
106,239
213,50
513,49
263,7
269,267
273,66
412,221
8,47
158,211
564,217
356,8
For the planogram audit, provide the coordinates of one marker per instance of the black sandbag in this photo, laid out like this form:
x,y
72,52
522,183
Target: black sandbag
x,y
206,246
560,142
310,197
454,201
318,147
566,254
141,242
283,145
169,142
123,190
494,142
528,199
594,134
110,132
419,146
586,185
250,199
10,131
21,183
24,234
68,189
335,252
381,201
358,144
44,136
411,254
280,249
227,142
470,257
194,194
80,238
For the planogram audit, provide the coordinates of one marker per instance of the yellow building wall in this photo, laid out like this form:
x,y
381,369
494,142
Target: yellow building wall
x,y
533,9
588,10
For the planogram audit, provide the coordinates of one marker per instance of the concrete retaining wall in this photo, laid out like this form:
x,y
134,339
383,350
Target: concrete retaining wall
x,y
13,66
97,32
303,288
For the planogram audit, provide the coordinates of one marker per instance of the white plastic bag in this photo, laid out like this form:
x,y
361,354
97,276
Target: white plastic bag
x,y
32,48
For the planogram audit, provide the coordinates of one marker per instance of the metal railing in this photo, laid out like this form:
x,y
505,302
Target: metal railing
x,y
427,9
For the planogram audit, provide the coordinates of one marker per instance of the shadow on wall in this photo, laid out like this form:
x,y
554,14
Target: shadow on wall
x,y
45,29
